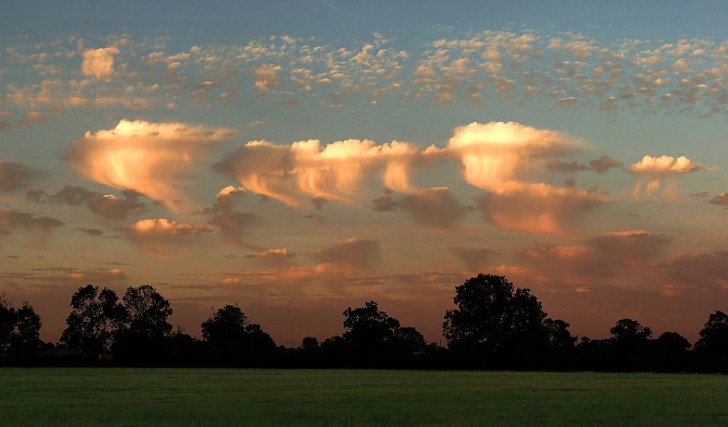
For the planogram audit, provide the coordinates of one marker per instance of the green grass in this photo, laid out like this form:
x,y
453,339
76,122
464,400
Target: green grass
x,y
192,397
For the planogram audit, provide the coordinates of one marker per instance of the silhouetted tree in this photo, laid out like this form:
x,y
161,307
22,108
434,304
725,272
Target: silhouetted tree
x,y
372,333
230,339
559,337
714,335
409,341
672,343
494,317
369,329
19,330
309,344
145,334
96,318
629,332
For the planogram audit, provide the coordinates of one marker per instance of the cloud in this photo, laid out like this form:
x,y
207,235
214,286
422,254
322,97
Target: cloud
x,y
106,205
385,202
600,166
14,176
700,269
11,220
94,232
493,154
433,208
162,236
354,253
538,208
99,63
232,224
628,249
720,200
610,258
603,164
332,172
276,258
266,77
150,158
475,260
663,167
33,117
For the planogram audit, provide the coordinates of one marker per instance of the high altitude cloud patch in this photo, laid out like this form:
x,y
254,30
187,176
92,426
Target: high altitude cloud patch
x,y
99,63
150,158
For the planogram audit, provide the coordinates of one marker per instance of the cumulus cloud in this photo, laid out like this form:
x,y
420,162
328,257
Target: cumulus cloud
x,y
14,176
663,166
660,168
106,205
494,154
99,63
232,224
332,172
150,158
434,208
162,236
11,220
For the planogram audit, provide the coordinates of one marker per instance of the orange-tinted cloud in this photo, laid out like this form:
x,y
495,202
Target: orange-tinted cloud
x,y
538,208
494,154
660,168
150,158
99,63
331,172
162,236
276,258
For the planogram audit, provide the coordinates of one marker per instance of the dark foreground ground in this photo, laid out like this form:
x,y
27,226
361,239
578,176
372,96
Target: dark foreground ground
x,y
193,397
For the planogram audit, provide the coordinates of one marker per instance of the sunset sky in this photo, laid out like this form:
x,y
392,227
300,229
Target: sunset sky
x,y
300,157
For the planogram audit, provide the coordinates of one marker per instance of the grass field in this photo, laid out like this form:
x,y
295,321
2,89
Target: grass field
x,y
192,397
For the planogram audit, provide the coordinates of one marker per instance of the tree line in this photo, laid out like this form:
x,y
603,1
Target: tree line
x,y
494,325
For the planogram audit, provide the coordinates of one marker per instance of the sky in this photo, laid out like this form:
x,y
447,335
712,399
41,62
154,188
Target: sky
x,y
300,157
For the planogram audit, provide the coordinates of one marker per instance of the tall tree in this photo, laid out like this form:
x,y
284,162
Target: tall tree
x,y
492,316
714,335
144,338
19,330
147,312
96,318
